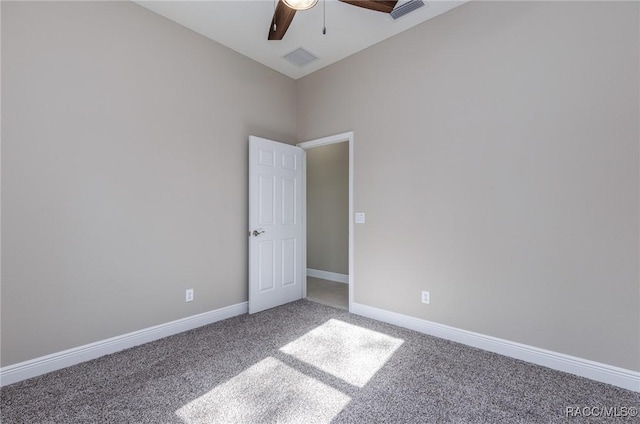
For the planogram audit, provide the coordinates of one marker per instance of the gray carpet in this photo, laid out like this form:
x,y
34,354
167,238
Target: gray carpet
x,y
305,363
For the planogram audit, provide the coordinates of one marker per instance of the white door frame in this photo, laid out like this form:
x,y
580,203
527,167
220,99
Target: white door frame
x,y
332,139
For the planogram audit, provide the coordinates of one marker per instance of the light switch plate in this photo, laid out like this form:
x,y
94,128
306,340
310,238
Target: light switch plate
x,y
359,217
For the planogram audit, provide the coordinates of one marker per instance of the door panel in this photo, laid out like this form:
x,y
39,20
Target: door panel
x,y
266,274
288,262
275,224
288,201
267,200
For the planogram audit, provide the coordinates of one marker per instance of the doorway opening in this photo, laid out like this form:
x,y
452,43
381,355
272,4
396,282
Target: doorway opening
x,y
328,220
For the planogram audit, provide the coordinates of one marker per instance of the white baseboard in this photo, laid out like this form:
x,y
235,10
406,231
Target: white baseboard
x,y
44,364
609,374
327,275
620,377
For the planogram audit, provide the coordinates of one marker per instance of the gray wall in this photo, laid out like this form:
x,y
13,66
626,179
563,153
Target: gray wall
x,y
496,157
124,171
328,208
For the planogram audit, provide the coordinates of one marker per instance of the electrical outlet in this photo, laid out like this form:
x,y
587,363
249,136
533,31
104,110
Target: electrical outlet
x,y
188,295
426,297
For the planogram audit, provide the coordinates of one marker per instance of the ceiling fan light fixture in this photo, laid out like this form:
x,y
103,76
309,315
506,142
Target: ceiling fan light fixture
x,y
300,4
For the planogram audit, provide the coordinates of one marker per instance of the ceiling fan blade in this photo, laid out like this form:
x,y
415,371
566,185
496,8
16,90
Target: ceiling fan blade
x,y
282,18
385,6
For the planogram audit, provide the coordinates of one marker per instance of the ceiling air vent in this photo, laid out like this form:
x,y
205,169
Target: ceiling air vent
x,y
408,7
300,57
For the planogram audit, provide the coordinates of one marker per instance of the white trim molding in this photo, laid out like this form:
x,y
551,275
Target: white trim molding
x,y
352,249
332,139
55,361
328,275
609,374
348,137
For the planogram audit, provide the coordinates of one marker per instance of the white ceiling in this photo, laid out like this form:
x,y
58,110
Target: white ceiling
x,y
243,25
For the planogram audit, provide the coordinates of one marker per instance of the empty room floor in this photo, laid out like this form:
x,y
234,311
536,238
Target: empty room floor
x,y
328,292
304,362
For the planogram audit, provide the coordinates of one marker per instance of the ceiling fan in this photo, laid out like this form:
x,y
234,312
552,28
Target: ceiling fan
x,y
286,10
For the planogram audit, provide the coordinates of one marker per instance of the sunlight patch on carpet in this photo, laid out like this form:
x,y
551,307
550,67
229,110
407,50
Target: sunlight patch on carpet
x,y
351,353
269,391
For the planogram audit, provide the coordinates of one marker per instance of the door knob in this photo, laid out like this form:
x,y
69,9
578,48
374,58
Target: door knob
x,y
256,233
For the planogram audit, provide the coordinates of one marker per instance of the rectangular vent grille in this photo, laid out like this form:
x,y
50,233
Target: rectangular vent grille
x,y
300,57
408,7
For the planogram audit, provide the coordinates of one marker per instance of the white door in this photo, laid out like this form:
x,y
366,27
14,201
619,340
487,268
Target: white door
x,y
275,223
